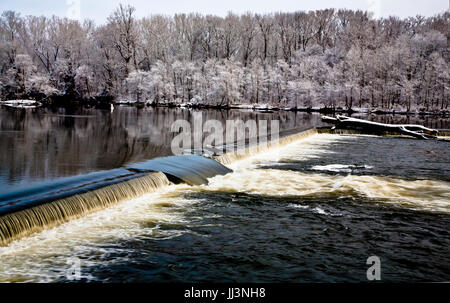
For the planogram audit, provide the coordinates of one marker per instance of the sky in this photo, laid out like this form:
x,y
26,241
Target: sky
x,y
99,10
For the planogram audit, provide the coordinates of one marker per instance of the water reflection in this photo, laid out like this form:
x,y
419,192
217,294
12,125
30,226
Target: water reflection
x,y
425,120
43,144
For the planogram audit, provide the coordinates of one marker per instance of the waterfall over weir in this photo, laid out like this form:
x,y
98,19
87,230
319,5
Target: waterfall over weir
x,y
36,208
44,206
229,158
190,169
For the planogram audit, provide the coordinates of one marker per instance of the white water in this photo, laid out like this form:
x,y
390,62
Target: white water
x,y
339,167
43,256
425,195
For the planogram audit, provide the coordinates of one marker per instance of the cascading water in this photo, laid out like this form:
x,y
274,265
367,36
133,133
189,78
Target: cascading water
x,y
34,219
311,210
32,210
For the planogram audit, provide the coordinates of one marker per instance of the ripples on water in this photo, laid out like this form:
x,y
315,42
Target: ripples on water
x,y
43,144
312,211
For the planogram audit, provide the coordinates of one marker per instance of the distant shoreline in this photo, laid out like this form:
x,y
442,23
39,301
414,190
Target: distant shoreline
x,y
272,108
103,104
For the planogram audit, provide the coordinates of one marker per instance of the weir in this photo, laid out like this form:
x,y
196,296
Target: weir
x,y
190,169
249,151
441,133
44,192
43,206
35,209
228,158
27,221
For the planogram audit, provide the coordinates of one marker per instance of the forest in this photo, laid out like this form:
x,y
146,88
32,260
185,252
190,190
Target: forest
x,y
318,59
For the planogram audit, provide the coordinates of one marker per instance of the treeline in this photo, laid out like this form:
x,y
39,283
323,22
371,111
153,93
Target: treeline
x,y
325,58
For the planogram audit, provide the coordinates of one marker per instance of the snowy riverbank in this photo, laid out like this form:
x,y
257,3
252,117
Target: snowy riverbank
x,y
21,103
273,108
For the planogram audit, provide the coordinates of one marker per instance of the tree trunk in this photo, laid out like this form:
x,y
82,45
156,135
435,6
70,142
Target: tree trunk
x,y
417,131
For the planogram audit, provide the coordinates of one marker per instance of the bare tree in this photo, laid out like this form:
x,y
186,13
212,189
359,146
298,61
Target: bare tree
x,y
342,58
124,35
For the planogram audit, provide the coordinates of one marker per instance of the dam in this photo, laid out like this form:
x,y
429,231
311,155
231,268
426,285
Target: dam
x,y
34,209
310,207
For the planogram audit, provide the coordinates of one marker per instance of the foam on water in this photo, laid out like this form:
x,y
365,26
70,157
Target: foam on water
x,y
418,194
340,167
43,256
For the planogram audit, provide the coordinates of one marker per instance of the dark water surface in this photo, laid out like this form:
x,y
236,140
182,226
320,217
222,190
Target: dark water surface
x,y
237,237
314,212
43,144
378,156
244,233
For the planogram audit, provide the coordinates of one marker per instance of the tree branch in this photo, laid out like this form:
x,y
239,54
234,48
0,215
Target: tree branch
x,y
417,131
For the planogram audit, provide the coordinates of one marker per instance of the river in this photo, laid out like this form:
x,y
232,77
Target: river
x,y
312,211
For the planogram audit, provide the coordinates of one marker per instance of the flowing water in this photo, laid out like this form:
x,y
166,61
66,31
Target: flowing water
x,y
314,210
41,146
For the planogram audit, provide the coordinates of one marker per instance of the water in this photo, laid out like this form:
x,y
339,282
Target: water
x,y
25,212
40,216
43,145
312,211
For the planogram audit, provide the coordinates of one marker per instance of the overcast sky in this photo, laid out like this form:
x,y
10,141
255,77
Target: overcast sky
x,y
98,10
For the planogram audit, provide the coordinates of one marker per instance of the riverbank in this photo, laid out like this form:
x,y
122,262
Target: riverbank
x,y
273,108
107,103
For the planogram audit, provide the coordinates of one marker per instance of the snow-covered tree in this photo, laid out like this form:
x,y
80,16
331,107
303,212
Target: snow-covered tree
x,y
333,58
